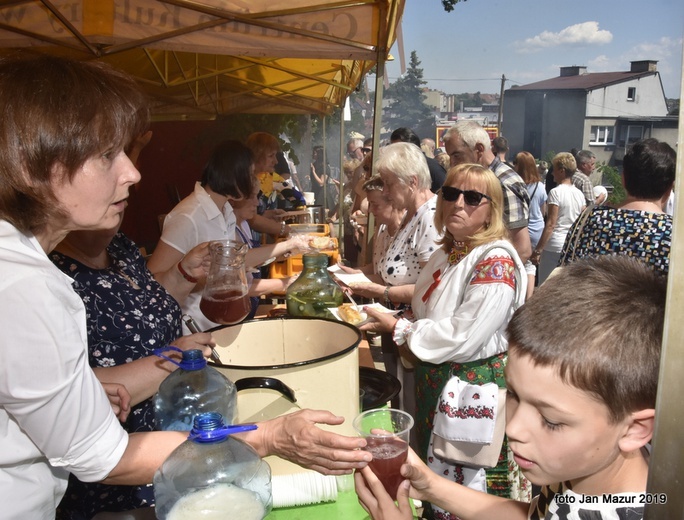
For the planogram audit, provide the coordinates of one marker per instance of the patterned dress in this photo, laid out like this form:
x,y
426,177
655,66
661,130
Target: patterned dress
x,y
129,314
640,234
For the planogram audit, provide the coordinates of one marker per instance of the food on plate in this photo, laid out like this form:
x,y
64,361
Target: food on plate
x,y
350,314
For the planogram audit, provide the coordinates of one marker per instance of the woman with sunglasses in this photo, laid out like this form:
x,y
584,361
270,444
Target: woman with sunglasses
x,y
462,302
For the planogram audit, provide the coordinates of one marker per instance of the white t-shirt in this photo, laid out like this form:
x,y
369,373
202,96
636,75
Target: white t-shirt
x,y
194,220
570,202
55,418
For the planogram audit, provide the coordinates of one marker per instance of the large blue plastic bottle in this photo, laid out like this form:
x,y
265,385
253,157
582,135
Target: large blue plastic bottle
x,y
213,475
192,389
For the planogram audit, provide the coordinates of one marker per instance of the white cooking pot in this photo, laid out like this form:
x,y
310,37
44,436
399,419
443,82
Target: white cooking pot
x,y
314,359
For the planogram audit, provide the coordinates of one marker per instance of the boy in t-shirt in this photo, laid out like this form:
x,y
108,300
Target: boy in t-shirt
x,y
582,375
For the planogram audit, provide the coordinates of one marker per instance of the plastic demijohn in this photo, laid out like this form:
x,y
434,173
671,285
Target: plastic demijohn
x,y
192,389
213,475
225,299
314,291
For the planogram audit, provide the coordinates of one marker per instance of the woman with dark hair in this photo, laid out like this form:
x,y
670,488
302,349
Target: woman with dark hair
x,y
565,204
207,214
526,167
639,227
63,168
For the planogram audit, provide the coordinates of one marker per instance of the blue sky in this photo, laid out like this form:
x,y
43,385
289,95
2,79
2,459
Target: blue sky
x,y
468,49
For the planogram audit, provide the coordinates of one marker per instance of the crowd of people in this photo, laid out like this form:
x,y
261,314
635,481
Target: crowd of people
x,y
469,319
457,253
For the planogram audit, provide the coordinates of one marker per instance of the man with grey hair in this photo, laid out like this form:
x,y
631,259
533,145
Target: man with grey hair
x,y
428,147
586,161
468,142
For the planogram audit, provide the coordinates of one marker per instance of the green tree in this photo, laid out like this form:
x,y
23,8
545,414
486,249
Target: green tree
x,y
449,4
407,102
611,177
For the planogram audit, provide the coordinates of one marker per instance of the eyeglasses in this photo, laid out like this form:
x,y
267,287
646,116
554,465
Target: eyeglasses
x,y
470,197
366,150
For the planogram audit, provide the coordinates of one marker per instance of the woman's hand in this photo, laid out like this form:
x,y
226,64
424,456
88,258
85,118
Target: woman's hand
x,y
382,321
297,244
119,399
275,214
368,290
197,261
203,341
535,257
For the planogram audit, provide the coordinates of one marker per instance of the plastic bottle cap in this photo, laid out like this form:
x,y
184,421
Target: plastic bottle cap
x,y
193,360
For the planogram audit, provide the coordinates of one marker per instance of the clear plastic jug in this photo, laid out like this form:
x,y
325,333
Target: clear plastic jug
x,y
192,389
225,299
213,475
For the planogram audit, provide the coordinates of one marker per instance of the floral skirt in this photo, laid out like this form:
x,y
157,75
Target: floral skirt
x,y
505,478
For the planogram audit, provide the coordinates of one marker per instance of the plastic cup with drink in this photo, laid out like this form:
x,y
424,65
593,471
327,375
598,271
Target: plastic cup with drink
x,y
386,431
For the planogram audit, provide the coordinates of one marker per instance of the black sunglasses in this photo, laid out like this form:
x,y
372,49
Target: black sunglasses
x,y
471,197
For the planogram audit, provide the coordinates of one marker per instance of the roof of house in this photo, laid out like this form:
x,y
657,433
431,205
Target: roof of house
x,y
589,81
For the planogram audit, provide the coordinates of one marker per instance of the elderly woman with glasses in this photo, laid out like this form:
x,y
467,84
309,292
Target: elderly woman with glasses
x,y
406,186
462,302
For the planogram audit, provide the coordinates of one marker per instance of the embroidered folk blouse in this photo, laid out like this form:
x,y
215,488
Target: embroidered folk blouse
x,y
463,320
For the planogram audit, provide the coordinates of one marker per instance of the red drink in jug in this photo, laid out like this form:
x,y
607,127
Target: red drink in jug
x,y
227,307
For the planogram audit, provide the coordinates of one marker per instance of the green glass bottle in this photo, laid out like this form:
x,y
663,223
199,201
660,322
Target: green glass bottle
x,y
314,291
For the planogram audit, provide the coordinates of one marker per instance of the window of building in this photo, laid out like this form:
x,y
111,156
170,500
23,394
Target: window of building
x,y
631,93
629,135
602,135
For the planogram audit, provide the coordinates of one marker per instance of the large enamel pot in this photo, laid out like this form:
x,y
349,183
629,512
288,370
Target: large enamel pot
x,y
285,364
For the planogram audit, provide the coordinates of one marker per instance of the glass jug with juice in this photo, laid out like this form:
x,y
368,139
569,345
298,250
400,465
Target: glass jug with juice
x,y
225,299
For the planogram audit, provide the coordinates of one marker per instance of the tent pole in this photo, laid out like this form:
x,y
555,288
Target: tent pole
x,y
666,468
325,172
340,197
377,126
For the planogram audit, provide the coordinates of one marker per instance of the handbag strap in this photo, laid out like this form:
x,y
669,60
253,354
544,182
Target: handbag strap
x,y
534,191
577,233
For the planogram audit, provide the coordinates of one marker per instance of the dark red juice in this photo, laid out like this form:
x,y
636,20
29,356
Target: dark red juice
x,y
226,307
388,456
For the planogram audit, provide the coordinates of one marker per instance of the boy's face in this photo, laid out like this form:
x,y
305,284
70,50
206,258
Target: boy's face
x,y
558,432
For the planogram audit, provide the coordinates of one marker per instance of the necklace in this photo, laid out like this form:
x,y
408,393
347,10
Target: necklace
x,y
459,250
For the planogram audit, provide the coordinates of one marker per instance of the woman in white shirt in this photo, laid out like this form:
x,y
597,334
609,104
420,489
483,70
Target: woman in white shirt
x,y
565,204
63,167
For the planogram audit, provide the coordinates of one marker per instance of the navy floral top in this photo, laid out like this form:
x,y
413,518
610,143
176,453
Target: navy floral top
x,y
129,314
640,234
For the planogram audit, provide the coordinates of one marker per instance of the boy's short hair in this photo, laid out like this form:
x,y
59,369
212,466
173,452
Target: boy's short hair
x,y
600,322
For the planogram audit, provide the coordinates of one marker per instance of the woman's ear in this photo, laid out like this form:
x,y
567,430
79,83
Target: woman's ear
x,y
639,430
